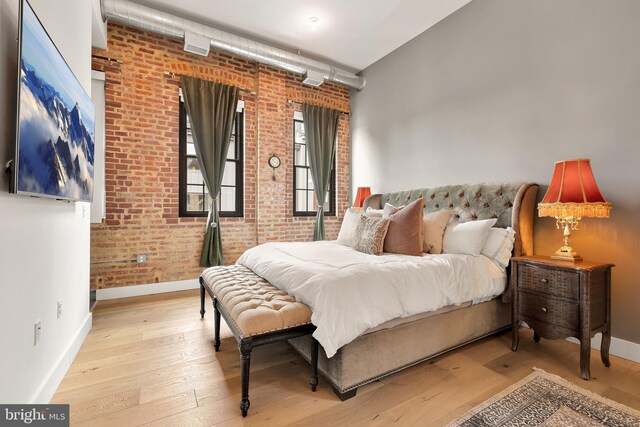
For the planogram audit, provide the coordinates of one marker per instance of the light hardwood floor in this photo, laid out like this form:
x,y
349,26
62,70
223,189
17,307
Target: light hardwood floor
x,y
150,360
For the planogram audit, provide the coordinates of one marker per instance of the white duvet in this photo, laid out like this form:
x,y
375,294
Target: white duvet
x,y
350,292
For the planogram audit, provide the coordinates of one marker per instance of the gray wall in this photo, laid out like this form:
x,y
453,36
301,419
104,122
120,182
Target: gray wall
x,y
499,91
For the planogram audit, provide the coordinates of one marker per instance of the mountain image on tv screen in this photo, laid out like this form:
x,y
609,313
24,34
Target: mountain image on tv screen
x,y
56,121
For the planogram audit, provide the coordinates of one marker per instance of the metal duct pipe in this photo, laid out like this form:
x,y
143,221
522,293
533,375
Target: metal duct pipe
x,y
146,18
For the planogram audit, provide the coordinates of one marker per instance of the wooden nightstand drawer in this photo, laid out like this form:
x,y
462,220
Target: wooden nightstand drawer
x,y
549,310
560,299
548,281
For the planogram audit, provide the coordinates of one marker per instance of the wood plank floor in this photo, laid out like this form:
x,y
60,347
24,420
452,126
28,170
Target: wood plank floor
x,y
150,360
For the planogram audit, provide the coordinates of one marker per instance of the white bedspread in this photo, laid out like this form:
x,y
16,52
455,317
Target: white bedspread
x,y
351,292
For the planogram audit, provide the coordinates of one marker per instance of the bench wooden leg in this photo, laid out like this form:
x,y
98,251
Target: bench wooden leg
x,y
202,311
313,381
245,361
216,325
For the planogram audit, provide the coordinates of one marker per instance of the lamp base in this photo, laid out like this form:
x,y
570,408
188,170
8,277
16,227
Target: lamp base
x,y
566,253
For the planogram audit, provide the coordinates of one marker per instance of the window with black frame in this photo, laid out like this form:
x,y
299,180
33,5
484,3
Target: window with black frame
x,y
304,196
195,199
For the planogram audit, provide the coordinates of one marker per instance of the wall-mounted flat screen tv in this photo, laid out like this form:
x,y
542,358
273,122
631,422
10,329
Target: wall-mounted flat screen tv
x,y
55,129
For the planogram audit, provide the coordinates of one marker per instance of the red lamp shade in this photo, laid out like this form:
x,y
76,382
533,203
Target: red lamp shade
x,y
573,192
363,193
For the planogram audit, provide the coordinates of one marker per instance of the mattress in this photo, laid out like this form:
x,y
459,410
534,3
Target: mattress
x,y
351,293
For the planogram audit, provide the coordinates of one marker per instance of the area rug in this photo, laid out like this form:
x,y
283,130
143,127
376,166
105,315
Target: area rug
x,y
544,399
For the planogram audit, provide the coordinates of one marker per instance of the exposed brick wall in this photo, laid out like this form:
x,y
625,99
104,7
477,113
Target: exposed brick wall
x,y
142,158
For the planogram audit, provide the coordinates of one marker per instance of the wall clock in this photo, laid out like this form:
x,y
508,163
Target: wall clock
x,y
274,162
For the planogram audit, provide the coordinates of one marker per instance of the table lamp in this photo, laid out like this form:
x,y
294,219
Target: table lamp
x,y
572,195
361,195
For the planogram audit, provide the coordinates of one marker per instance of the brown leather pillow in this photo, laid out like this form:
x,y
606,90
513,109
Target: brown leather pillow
x,y
405,229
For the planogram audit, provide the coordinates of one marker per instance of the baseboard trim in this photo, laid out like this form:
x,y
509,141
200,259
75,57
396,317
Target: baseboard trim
x,y
53,379
150,289
619,347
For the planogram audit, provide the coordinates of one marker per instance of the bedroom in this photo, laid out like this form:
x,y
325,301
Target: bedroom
x,y
469,93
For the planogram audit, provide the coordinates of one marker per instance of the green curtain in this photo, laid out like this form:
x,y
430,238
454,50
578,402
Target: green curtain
x,y
320,128
211,108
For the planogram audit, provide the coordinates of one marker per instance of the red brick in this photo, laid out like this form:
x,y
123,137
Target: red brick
x,y
142,158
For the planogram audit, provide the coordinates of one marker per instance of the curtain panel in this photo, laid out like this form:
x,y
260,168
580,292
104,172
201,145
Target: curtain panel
x,y
211,108
321,129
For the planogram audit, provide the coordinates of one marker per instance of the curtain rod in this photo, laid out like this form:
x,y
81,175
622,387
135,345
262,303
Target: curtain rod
x,y
174,75
298,103
289,101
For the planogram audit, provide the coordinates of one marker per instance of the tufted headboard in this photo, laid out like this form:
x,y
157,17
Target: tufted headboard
x,y
513,203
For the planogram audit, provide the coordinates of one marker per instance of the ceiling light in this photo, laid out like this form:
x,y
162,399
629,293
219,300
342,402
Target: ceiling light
x,y
314,20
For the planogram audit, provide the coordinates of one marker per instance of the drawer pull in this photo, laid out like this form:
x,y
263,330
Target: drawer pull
x,y
544,309
544,280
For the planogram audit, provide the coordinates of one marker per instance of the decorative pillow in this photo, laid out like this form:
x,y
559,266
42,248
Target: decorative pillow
x,y
467,237
389,209
370,235
347,234
374,212
433,225
405,228
499,245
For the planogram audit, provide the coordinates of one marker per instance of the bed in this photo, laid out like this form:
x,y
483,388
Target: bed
x,y
365,338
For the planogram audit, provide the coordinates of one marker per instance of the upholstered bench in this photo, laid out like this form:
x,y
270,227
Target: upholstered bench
x,y
257,313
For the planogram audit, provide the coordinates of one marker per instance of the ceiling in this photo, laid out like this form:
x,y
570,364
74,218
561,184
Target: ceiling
x,y
351,33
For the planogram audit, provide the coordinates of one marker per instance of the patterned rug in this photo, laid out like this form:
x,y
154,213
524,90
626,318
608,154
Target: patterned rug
x,y
544,399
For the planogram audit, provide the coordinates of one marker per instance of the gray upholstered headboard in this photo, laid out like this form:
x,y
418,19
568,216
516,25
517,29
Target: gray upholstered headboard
x,y
513,203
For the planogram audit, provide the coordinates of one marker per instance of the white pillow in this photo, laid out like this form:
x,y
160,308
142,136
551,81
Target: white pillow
x,y
374,212
347,234
499,245
467,237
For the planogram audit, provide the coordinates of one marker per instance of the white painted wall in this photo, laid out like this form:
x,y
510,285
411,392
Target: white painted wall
x,y
44,244
98,26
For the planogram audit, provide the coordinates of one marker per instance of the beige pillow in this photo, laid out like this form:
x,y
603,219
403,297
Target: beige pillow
x,y
405,228
434,225
370,235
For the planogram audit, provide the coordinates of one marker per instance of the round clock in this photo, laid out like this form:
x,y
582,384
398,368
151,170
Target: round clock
x,y
274,161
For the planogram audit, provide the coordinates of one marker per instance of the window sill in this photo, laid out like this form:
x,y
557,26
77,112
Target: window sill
x,y
206,214
313,215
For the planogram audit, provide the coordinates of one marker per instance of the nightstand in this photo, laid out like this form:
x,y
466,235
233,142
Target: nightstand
x,y
560,299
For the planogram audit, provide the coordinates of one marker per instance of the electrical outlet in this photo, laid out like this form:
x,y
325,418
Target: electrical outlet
x,y
37,332
59,312
141,259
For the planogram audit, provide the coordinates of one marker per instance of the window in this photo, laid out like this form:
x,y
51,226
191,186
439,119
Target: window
x,y
194,196
304,196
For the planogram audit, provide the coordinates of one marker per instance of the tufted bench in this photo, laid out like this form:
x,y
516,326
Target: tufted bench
x,y
257,313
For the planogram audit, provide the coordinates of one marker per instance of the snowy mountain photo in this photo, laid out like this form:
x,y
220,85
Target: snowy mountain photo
x,y
56,121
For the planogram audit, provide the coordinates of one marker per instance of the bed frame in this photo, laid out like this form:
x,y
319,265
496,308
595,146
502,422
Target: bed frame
x,y
386,351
